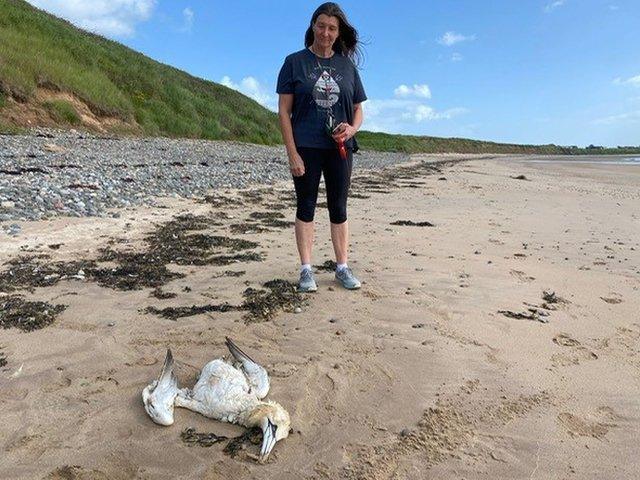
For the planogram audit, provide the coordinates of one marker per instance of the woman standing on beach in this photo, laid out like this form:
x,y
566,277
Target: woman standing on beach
x,y
320,110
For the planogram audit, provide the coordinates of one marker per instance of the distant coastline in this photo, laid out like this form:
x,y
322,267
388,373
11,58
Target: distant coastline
x,y
626,160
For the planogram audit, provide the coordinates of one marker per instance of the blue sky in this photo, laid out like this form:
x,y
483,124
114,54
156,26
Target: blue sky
x,y
527,71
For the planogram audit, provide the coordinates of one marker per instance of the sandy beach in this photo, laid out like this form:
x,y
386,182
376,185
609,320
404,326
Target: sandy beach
x,y
448,363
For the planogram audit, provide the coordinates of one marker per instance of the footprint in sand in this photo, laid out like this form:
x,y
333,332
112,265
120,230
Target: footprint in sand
x,y
373,293
625,344
613,299
521,276
282,370
314,403
597,426
448,429
565,341
629,336
75,472
577,352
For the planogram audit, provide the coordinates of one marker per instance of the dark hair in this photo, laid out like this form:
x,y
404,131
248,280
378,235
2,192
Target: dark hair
x,y
347,42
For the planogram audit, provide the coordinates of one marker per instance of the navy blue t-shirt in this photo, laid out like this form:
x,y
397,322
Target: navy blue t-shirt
x,y
319,85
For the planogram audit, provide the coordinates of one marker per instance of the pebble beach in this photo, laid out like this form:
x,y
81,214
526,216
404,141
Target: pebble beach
x,y
50,173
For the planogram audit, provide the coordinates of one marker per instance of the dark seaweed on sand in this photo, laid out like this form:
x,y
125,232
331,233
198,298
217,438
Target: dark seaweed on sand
x,y
244,228
236,444
168,243
3,360
411,223
161,294
231,273
256,196
260,221
276,223
381,181
251,436
25,272
173,313
238,258
222,201
276,206
17,312
327,266
551,297
133,271
266,215
191,437
262,305
531,314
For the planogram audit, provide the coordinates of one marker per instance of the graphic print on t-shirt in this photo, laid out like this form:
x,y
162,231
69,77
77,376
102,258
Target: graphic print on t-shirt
x,y
326,91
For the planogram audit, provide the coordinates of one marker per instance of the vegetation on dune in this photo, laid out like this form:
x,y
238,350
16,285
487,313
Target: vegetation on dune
x,y
422,144
38,50
7,129
62,111
137,95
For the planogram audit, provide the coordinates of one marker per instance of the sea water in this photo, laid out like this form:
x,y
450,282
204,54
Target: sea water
x,y
594,161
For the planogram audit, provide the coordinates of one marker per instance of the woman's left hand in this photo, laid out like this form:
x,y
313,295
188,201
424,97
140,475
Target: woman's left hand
x,y
343,132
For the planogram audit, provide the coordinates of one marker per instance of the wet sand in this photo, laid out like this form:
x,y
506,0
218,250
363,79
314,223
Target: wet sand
x,y
415,376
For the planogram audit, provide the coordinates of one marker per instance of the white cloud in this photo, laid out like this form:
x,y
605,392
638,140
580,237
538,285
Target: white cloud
x,y
456,57
402,115
115,18
451,38
614,7
405,111
553,5
252,88
420,113
187,19
416,90
633,81
628,117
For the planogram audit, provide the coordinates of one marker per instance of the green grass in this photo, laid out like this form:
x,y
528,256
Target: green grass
x,y
6,129
38,50
62,111
423,144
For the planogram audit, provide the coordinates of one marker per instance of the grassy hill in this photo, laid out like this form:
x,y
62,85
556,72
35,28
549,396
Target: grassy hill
x,y
41,55
424,144
54,74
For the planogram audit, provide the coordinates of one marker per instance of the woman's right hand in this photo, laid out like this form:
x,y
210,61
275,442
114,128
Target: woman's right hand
x,y
296,165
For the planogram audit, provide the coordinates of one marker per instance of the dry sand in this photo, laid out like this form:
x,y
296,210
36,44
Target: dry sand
x,y
415,376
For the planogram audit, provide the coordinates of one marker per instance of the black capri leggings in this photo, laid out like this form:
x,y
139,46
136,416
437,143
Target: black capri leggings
x,y
337,178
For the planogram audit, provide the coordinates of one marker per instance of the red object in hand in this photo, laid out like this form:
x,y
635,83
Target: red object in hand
x,y
342,149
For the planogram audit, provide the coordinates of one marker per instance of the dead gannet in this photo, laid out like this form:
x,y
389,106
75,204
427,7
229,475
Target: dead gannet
x,y
230,393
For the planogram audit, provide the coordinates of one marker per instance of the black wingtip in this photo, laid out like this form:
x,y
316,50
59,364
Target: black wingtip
x,y
167,366
236,351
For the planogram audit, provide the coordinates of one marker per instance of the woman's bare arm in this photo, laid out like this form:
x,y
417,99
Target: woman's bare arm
x,y
285,107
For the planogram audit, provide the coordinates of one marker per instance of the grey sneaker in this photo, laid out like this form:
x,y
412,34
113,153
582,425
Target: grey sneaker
x,y
307,283
347,279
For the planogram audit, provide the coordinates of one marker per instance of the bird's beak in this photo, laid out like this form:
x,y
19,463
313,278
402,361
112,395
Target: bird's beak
x,y
268,440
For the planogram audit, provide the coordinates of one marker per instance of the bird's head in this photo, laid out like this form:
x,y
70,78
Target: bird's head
x,y
160,395
274,422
